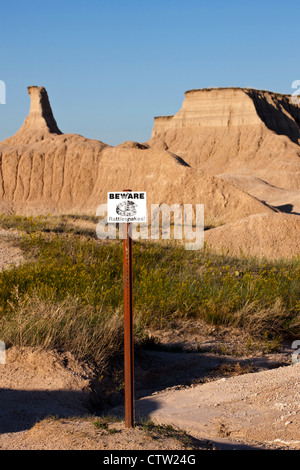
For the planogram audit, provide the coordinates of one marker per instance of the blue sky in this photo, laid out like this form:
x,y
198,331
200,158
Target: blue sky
x,y
110,66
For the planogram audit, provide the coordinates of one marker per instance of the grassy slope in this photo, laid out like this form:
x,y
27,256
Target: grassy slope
x,y
69,294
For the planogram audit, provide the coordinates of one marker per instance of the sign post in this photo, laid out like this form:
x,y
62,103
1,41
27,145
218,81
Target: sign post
x,y
127,207
128,328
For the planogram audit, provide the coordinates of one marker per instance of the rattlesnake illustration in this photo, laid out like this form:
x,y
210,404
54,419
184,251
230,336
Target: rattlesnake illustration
x,y
126,208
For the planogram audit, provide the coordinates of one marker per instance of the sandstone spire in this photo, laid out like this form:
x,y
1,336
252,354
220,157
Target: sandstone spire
x,y
40,115
40,123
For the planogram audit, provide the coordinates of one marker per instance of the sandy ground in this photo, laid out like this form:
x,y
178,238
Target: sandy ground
x,y
46,404
259,409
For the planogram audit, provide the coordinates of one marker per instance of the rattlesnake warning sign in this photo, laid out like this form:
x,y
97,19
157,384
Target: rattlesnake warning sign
x,y
124,207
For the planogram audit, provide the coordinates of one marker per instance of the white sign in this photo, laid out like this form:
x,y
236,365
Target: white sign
x,y
124,207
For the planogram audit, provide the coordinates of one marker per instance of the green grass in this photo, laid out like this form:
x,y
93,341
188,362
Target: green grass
x,y
69,294
167,431
104,423
50,223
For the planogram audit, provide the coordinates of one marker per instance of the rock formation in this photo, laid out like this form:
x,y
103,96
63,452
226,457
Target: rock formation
x,y
234,150
40,123
262,235
43,170
236,131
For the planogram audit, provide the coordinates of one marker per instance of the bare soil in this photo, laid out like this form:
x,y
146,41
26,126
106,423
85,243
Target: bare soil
x,y
198,400
10,254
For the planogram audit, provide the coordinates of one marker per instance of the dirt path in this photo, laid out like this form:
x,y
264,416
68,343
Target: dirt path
x,y
45,404
262,408
256,410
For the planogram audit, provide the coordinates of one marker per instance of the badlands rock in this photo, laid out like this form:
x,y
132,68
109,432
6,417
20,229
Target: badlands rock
x,y
271,236
235,131
40,123
282,199
43,170
234,150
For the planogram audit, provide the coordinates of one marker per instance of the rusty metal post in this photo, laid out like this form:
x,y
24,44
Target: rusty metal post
x,y
128,327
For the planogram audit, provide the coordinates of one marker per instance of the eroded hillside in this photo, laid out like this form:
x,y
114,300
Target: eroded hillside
x,y
234,150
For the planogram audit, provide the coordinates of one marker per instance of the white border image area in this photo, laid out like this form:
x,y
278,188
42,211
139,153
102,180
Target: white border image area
x,y
2,92
2,353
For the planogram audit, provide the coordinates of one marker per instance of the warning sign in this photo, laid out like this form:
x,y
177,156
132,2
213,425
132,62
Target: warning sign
x,y
124,207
